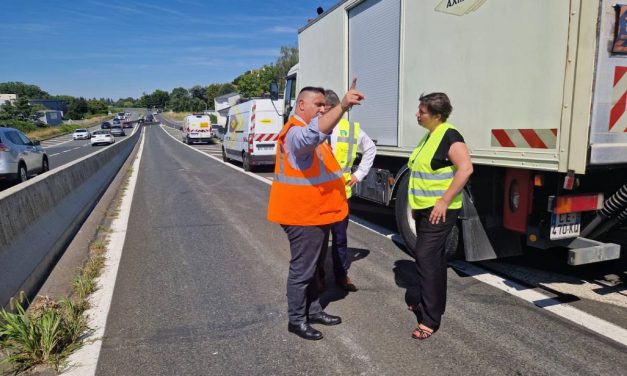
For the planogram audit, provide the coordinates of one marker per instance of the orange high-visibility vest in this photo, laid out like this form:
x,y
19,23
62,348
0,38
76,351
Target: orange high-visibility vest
x,y
311,197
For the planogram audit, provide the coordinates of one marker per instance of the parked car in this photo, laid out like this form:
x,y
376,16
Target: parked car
x,y
19,156
105,125
81,134
116,130
102,137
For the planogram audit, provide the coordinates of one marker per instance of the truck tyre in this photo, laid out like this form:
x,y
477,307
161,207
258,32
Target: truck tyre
x,y
407,226
404,221
246,162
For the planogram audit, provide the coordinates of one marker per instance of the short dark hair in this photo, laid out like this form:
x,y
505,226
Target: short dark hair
x,y
312,89
331,98
437,104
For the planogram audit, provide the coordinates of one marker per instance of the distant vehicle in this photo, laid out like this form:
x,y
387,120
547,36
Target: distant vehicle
x,y
116,121
81,134
120,115
252,130
117,130
19,156
196,128
105,125
127,124
149,118
102,137
217,131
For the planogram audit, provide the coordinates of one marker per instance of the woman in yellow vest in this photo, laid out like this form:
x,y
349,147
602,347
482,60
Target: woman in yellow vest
x,y
440,167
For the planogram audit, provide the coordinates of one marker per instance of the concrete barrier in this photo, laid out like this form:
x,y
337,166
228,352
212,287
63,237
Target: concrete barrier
x,y
39,218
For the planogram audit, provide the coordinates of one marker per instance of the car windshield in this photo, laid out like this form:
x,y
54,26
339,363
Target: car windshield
x,y
100,132
80,130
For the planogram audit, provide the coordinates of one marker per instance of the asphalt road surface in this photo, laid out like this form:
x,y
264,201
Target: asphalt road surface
x,y
201,290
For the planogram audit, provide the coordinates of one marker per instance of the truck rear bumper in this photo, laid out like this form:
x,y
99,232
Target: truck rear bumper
x,y
587,251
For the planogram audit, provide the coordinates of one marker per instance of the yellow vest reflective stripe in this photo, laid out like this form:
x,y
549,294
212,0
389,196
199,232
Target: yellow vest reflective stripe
x,y
345,149
427,186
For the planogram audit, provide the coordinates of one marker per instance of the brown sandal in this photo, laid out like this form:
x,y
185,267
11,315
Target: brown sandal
x,y
420,333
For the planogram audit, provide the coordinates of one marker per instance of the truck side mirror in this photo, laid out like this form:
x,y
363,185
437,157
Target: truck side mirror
x,y
274,91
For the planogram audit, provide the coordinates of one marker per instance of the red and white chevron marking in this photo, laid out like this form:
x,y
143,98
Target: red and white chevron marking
x,y
525,138
266,136
618,119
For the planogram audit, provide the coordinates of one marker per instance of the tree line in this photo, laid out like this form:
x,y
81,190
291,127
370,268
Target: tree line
x,y
252,83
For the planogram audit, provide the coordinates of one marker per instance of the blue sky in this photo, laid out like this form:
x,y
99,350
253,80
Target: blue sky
x,y
116,48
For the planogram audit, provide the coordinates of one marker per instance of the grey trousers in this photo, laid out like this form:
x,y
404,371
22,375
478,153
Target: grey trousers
x,y
302,293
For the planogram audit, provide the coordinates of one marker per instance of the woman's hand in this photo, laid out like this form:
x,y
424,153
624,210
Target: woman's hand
x,y
438,214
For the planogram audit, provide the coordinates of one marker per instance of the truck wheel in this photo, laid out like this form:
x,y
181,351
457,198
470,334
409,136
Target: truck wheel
x,y
246,162
404,221
224,157
454,244
407,226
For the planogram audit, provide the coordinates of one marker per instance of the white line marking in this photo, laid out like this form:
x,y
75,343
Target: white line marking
x,y
85,360
52,155
568,312
575,315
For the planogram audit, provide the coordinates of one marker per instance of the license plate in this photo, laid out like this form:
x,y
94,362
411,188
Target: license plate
x,y
193,134
564,226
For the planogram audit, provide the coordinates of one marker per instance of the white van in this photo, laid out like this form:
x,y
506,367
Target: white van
x,y
252,129
196,128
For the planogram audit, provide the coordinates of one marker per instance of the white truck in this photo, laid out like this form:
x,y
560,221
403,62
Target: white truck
x,y
196,128
252,130
539,91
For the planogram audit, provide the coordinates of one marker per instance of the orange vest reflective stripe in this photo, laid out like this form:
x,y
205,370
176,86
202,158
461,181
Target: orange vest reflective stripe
x,y
311,197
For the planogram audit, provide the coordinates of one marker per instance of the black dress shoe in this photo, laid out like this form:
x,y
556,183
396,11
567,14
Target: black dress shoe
x,y
324,319
305,331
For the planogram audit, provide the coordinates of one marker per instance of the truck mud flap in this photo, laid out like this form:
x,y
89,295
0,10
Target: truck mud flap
x,y
480,244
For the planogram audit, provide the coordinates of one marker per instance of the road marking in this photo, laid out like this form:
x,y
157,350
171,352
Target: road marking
x,y
85,360
552,305
588,321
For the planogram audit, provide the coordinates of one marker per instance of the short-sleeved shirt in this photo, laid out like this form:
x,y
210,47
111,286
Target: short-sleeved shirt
x,y
440,158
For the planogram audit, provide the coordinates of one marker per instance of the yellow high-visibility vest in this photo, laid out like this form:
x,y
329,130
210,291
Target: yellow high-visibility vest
x,y
426,186
345,149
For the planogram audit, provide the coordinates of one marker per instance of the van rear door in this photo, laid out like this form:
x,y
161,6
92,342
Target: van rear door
x,y
267,126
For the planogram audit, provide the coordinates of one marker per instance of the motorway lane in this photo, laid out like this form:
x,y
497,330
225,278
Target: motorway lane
x,y
201,290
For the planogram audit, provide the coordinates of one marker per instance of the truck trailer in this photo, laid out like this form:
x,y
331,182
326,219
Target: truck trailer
x,y
539,92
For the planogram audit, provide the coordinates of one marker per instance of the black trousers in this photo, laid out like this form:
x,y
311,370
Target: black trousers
x,y
306,243
431,264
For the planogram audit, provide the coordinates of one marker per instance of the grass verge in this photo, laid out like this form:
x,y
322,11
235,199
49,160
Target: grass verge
x,y
175,116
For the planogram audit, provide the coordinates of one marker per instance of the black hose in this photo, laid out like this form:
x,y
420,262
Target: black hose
x,y
615,203
611,206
